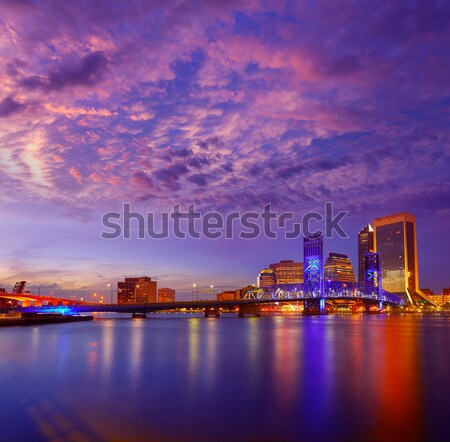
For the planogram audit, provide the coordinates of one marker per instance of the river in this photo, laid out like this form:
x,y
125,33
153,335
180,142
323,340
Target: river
x,y
187,378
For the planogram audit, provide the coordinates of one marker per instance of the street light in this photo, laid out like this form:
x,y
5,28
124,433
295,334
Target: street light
x,y
195,286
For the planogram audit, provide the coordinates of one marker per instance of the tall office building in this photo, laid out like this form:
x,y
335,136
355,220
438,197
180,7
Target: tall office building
x,y
287,272
395,240
166,295
338,268
365,245
136,290
266,278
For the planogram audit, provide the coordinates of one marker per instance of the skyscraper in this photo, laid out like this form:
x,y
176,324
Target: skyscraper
x,y
136,290
365,245
338,268
395,240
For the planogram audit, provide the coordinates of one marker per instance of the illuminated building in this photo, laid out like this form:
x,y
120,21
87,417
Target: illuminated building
x,y
428,292
166,295
365,245
229,295
313,264
395,240
372,268
136,290
440,299
338,268
266,278
287,272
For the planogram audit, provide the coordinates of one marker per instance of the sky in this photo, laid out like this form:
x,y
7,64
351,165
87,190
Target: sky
x,y
226,104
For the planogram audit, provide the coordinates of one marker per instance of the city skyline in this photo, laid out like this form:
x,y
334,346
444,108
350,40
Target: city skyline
x,y
185,288
228,106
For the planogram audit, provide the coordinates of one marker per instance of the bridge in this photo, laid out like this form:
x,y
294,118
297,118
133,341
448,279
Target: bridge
x,y
317,295
28,299
313,303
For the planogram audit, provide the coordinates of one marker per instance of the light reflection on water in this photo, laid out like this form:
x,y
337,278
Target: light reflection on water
x,y
173,377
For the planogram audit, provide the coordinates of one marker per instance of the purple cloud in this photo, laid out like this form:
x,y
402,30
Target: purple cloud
x,y
87,71
9,106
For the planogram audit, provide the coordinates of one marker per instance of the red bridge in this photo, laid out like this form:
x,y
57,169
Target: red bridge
x,y
28,299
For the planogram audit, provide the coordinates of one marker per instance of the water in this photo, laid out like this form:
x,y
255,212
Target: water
x,y
184,378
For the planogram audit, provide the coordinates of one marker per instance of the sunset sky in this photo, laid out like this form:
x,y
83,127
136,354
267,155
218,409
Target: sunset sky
x,y
229,105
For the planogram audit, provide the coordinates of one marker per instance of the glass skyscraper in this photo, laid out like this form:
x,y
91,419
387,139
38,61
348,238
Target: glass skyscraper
x,y
395,240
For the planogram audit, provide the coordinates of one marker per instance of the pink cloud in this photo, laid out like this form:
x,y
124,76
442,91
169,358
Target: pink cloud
x,y
75,173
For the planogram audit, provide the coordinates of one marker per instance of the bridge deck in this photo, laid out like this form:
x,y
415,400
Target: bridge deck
x,y
201,304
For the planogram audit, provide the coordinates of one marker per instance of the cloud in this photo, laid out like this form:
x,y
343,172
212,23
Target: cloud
x,y
141,179
200,179
170,176
9,106
75,173
87,71
77,111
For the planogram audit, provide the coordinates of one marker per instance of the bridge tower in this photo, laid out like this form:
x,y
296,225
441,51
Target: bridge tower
x,y
372,283
313,286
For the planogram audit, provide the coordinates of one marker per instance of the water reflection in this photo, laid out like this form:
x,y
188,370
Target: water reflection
x,y
194,344
270,378
400,384
107,350
137,345
286,362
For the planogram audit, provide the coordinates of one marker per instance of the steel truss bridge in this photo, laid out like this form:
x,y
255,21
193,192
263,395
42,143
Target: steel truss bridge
x,y
332,290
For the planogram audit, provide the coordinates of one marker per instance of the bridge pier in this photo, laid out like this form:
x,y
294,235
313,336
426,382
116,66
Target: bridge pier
x,y
212,311
314,307
249,310
139,315
369,304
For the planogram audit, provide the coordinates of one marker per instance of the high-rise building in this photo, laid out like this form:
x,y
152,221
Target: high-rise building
x,y
338,268
395,240
287,272
365,245
166,295
136,290
266,278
